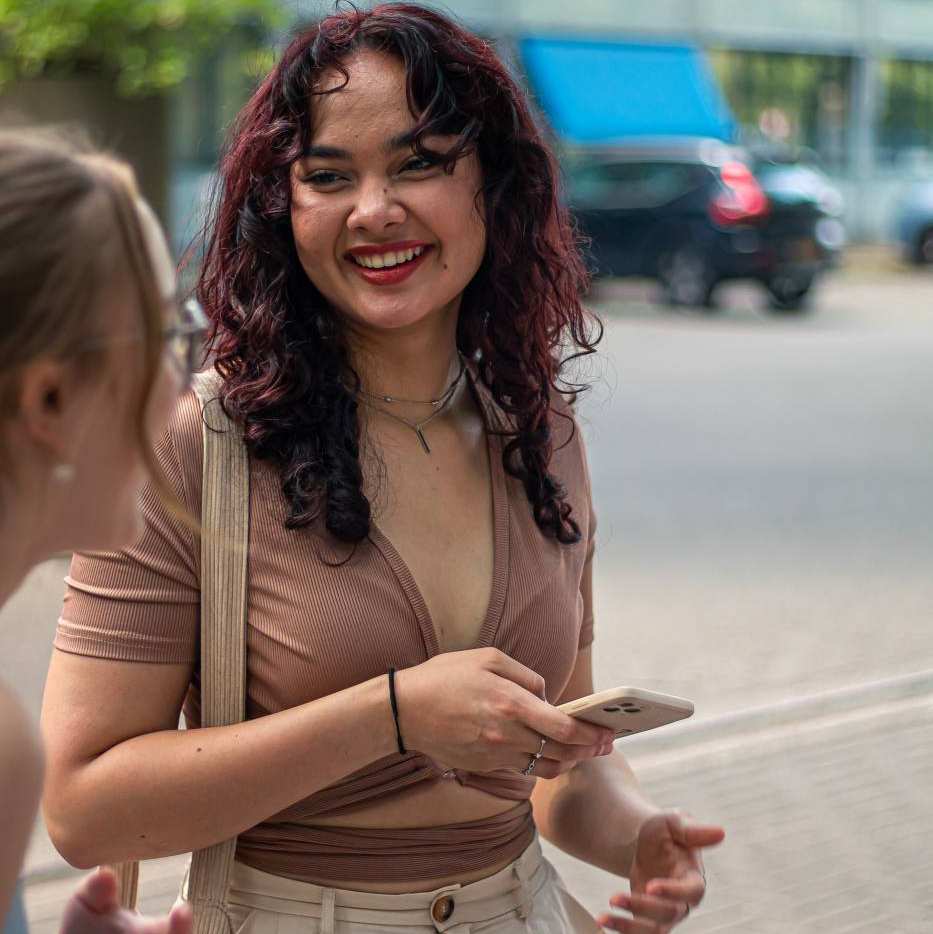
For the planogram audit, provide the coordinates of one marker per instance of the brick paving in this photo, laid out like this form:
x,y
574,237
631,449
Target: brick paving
x,y
829,821
829,825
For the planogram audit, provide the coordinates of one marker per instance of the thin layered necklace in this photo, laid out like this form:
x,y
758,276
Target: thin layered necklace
x,y
438,405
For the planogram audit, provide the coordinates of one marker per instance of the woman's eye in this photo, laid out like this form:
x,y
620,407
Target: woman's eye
x,y
323,178
419,164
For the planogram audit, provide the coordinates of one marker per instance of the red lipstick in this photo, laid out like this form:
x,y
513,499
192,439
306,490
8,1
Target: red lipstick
x,y
391,275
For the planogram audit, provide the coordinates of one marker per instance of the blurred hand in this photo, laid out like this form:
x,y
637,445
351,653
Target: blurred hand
x,y
94,909
481,711
666,877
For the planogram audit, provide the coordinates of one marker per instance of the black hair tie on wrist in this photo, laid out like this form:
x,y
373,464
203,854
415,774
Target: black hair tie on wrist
x,y
393,700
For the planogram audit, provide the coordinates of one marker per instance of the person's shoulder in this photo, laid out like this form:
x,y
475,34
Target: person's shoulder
x,y
185,424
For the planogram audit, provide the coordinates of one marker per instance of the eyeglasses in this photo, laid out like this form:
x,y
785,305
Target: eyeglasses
x,y
184,339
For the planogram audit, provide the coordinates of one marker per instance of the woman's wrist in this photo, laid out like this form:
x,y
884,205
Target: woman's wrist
x,y
406,717
372,701
393,704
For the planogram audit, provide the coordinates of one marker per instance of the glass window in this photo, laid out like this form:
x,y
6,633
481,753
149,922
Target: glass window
x,y
789,100
905,123
631,185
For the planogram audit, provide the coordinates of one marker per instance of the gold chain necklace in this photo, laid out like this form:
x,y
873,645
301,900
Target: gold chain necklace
x,y
440,405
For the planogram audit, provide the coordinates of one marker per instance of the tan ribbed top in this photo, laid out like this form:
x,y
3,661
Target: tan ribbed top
x,y
318,624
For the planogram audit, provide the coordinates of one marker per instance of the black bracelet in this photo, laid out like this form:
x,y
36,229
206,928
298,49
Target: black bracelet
x,y
394,702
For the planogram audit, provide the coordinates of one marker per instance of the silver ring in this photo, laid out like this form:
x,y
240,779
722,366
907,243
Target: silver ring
x,y
534,758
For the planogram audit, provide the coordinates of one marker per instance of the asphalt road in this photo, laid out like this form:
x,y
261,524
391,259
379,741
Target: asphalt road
x,y
764,488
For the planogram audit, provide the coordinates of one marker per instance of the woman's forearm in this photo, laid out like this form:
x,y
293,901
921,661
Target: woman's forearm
x,y
179,790
594,812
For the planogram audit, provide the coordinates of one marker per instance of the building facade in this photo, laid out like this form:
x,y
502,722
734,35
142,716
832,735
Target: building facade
x,y
852,80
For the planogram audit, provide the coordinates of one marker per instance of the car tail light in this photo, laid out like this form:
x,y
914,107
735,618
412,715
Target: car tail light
x,y
743,199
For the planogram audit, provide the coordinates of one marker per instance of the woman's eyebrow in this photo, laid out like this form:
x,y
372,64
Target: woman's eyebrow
x,y
393,144
325,152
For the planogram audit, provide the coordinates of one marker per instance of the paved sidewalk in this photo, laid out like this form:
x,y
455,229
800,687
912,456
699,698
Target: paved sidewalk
x,y
829,824
830,819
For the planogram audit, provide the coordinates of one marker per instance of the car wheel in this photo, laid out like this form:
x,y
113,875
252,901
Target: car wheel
x,y
687,278
790,292
923,252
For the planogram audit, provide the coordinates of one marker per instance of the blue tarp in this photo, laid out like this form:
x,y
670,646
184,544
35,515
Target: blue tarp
x,y
597,92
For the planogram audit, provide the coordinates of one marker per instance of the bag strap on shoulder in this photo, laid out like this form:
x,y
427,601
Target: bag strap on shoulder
x,y
224,548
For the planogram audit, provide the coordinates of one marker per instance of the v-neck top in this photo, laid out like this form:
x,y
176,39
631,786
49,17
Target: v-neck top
x,y
322,617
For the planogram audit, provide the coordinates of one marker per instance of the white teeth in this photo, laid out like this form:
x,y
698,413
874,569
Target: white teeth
x,y
385,260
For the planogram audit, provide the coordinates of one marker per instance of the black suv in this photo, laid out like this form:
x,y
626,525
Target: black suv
x,y
693,212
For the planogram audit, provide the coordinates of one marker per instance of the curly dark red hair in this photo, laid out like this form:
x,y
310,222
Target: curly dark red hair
x,y
278,345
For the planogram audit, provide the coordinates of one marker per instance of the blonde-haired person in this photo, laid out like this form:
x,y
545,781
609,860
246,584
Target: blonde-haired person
x,y
93,349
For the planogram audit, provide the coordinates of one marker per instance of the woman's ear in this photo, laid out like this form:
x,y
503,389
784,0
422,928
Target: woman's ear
x,y
45,410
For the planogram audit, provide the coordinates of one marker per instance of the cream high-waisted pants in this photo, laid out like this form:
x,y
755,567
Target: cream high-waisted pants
x,y
527,897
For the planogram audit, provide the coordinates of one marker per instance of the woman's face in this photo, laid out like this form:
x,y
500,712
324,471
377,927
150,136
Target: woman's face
x,y
109,465
387,238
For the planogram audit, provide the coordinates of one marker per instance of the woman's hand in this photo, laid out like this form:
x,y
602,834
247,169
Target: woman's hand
x,y
94,909
481,711
666,877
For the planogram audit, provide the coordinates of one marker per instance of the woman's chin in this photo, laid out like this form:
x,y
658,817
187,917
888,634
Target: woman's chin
x,y
391,318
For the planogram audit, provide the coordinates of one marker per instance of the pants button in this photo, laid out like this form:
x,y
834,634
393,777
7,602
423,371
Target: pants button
x,y
442,909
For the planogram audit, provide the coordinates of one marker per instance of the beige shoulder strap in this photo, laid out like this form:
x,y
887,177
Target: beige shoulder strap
x,y
224,546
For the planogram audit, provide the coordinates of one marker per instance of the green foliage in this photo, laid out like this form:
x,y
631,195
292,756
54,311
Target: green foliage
x,y
144,46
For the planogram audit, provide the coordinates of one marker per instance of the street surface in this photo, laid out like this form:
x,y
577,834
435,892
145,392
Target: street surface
x,y
764,488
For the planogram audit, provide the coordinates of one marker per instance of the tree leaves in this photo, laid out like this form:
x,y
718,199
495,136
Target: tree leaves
x,y
144,46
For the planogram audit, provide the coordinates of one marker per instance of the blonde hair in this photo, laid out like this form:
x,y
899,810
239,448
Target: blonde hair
x,y
69,223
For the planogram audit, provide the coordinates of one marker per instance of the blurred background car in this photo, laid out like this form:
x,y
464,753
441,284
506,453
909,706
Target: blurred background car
x,y
693,212
913,223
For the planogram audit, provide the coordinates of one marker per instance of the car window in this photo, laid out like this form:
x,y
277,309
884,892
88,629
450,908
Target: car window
x,y
633,185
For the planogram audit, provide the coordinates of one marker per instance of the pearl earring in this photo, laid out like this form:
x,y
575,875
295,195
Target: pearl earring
x,y
63,473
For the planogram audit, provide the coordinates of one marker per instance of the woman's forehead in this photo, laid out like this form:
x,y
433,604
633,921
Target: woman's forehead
x,y
372,98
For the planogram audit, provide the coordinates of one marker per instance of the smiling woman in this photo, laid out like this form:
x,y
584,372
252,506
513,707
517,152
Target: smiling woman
x,y
395,294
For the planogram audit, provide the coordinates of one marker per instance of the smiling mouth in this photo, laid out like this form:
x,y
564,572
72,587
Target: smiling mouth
x,y
390,259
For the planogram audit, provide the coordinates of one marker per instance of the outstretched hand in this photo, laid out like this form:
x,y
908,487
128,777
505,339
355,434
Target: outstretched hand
x,y
666,877
95,909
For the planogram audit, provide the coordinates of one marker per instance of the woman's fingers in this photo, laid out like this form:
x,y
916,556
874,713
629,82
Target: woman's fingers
x,y
98,892
546,720
696,836
562,752
506,667
628,925
180,920
549,768
690,889
662,910
692,835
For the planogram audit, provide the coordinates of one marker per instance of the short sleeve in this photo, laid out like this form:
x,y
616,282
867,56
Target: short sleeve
x,y
142,604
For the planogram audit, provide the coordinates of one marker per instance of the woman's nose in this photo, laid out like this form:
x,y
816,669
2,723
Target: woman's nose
x,y
376,208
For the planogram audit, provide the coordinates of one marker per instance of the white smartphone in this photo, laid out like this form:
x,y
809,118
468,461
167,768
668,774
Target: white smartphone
x,y
628,710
